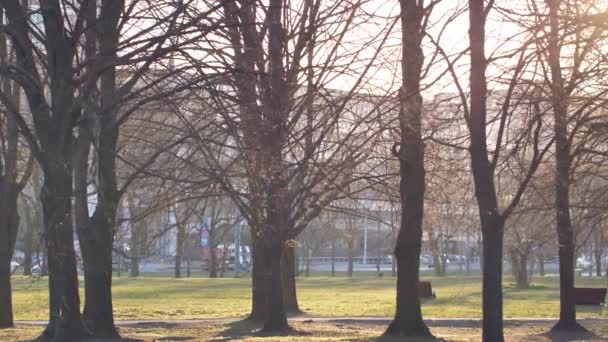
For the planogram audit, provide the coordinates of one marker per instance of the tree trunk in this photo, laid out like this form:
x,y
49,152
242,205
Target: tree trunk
x,y
565,231
97,246
492,280
258,289
65,321
276,318
333,259
179,249
307,261
408,316
515,266
437,264
598,244
492,223
136,249
288,278
6,295
349,270
136,241
212,246
9,223
28,241
522,274
541,265
10,187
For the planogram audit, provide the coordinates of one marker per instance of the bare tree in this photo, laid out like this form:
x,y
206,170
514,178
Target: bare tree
x,y
11,181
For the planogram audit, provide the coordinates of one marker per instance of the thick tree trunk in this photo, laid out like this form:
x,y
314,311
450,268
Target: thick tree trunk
x,y
276,318
492,233
96,233
98,312
9,222
65,321
258,289
288,278
96,244
6,295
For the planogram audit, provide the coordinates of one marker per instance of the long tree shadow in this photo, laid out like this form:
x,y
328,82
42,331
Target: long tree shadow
x,y
561,336
250,328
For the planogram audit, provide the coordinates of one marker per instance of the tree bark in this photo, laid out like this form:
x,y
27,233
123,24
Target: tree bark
x,y
276,318
288,278
541,265
65,322
179,249
598,243
98,308
515,269
565,231
350,246
28,241
9,188
492,222
212,245
522,275
408,317
333,259
8,235
258,289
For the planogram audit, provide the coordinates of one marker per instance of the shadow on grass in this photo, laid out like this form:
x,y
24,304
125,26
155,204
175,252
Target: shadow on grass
x,y
561,336
249,328
384,338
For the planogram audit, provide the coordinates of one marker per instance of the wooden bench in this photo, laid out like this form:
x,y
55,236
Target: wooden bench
x,y
425,290
589,296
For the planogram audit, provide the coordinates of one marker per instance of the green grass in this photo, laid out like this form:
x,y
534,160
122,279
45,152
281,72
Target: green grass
x,y
167,298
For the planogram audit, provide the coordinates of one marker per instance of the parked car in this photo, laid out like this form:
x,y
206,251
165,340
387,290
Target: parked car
x,y
456,259
583,263
426,260
14,266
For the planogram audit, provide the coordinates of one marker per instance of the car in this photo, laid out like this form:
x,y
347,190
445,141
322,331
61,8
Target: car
x,y
14,266
583,263
456,259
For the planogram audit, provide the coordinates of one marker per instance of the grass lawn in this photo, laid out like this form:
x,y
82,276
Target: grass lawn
x,y
167,298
